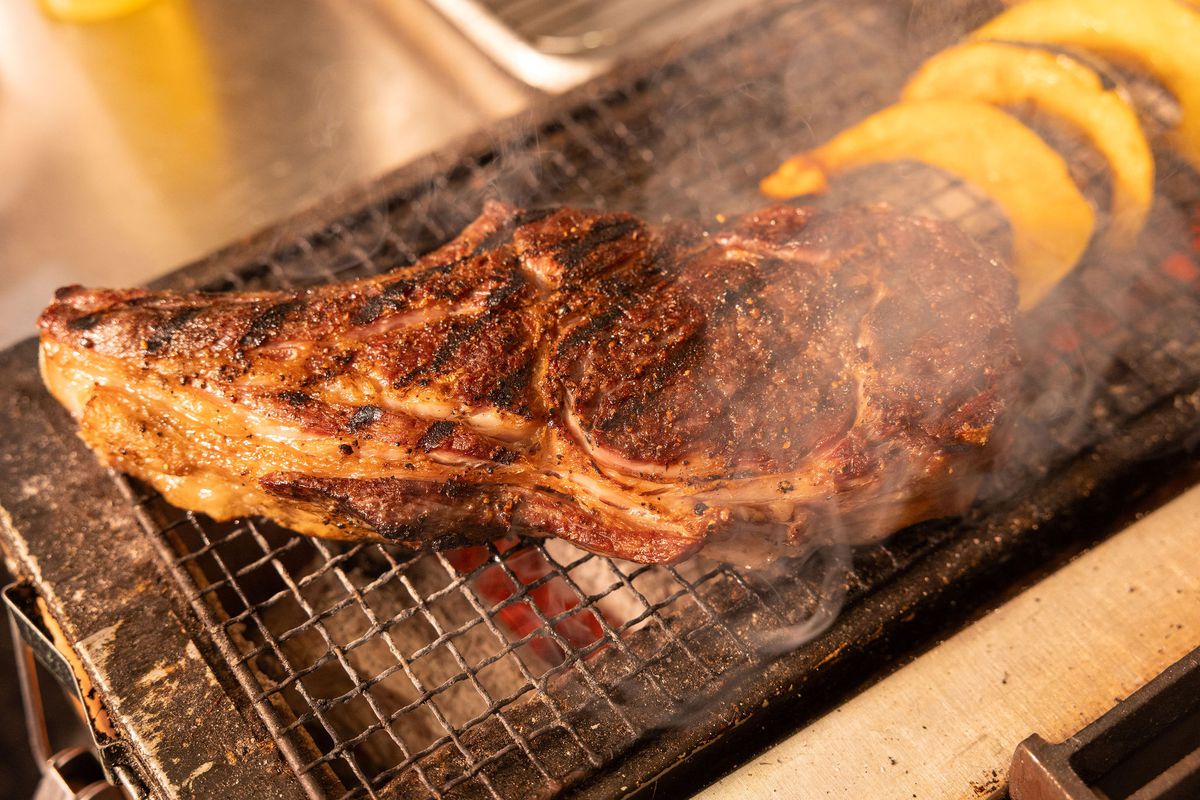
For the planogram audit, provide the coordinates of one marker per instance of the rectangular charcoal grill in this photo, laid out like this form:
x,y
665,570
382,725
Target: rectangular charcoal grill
x,y
240,659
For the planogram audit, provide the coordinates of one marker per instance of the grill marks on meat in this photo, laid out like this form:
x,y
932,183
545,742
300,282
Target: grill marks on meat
x,y
642,392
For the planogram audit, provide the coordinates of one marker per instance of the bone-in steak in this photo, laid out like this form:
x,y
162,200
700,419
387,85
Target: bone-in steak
x,y
640,391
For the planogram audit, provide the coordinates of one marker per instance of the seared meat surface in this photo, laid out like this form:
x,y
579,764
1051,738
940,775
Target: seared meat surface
x,y
643,392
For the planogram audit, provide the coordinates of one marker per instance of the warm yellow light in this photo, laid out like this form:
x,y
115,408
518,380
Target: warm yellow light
x,y
91,10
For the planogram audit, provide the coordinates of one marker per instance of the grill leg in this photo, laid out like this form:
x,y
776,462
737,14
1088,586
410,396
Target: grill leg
x,y
72,773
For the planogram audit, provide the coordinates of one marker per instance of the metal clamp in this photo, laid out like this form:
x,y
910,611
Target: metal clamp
x,y
74,772
1146,748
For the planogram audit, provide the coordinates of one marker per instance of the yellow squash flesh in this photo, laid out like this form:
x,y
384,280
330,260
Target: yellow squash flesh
x,y
985,147
1002,74
1161,37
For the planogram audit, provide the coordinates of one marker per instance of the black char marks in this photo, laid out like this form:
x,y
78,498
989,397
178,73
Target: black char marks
x,y
511,388
511,286
395,294
164,333
673,361
364,416
591,329
296,398
84,323
502,455
392,296
575,251
268,323
436,435
445,351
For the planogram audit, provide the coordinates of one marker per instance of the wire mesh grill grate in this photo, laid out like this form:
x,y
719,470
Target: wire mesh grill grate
x,y
512,669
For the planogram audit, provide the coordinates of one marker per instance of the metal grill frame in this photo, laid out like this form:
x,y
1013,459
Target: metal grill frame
x,y
912,584
569,28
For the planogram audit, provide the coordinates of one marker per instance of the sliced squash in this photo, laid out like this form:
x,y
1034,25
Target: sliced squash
x,y
1050,219
1161,37
1006,74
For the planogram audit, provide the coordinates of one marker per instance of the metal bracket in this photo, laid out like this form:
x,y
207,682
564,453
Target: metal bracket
x,y
556,59
1146,748
74,772
547,71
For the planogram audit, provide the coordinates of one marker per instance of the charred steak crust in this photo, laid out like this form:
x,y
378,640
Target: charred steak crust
x,y
640,391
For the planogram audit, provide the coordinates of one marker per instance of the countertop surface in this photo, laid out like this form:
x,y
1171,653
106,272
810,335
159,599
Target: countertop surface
x,y
1050,661
132,146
